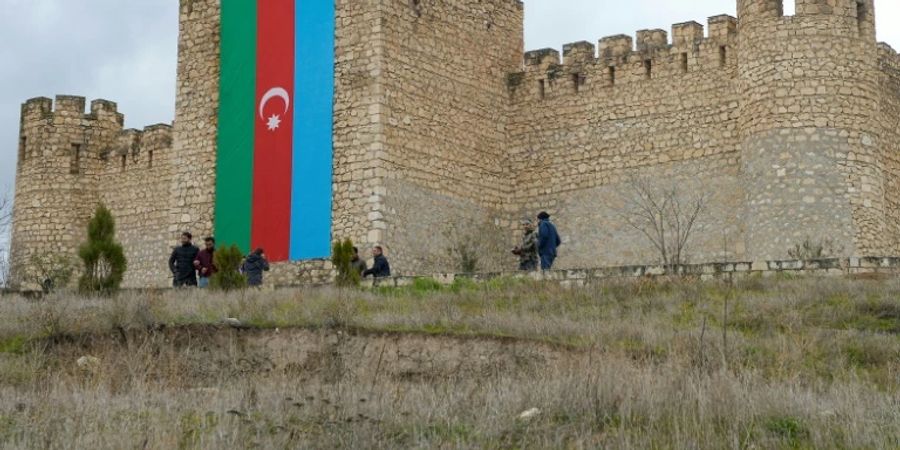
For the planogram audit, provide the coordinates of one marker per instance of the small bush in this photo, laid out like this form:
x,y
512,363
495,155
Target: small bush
x,y
342,258
103,257
788,428
52,271
228,260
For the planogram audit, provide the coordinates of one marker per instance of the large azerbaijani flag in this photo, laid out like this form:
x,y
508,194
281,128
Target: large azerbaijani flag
x,y
274,166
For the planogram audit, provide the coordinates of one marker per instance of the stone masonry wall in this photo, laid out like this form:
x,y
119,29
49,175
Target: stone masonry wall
x,y
889,113
359,149
135,186
193,186
59,169
445,124
810,151
583,128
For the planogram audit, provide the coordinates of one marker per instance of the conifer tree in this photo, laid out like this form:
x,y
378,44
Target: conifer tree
x,y
228,260
342,258
103,257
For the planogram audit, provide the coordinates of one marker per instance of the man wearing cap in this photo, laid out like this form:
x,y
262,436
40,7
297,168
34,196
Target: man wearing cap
x,y
528,251
548,241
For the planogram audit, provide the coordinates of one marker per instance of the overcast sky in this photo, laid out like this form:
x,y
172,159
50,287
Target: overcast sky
x,y
125,50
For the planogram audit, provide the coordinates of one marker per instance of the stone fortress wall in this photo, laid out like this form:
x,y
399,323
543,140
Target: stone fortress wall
x,y
69,161
446,130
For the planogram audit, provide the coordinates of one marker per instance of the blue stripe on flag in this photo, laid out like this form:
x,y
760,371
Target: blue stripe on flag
x,y
314,97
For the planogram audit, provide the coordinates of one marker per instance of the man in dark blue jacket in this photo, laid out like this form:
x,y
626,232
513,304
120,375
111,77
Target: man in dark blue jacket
x,y
380,268
548,241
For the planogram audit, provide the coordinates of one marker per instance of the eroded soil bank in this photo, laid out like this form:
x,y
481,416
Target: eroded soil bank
x,y
199,355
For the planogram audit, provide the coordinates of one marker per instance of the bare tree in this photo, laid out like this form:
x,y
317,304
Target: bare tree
x,y
666,214
5,211
5,221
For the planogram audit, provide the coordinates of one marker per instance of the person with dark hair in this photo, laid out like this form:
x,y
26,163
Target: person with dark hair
x,y
380,268
358,264
205,263
254,266
181,263
548,241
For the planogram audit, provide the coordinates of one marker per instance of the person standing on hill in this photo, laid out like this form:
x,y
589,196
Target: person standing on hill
x,y
358,264
380,268
181,263
548,241
528,251
254,266
205,262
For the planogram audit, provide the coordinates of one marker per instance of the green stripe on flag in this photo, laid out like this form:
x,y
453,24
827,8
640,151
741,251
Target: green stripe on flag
x,y
237,101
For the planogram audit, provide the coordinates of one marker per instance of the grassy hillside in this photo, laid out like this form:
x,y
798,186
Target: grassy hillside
x,y
766,363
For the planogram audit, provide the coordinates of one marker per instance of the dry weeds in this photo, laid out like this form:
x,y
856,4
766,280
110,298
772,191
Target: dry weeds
x,y
806,363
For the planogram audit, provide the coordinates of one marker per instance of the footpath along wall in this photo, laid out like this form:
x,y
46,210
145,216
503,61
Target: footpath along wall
x,y
860,267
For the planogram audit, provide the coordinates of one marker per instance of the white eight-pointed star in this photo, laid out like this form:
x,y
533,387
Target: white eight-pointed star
x,y
274,122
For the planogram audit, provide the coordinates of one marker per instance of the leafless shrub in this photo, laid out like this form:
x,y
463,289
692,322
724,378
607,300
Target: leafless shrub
x,y
52,271
6,210
5,222
4,269
665,214
473,247
810,250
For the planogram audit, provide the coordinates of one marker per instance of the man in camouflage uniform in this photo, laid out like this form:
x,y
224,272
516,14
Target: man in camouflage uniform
x,y
528,251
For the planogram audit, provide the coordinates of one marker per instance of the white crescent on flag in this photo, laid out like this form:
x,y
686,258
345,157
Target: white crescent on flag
x,y
274,121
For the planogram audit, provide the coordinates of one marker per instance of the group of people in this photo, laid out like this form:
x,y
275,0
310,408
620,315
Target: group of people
x,y
192,266
539,244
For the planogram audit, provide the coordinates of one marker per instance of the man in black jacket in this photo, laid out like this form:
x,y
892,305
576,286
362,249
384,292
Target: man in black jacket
x,y
181,263
380,268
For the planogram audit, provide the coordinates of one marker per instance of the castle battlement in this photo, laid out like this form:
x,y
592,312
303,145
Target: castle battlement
x,y
685,35
70,107
622,59
139,145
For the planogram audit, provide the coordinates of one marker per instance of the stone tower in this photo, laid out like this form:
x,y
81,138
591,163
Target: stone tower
x,y
59,167
809,144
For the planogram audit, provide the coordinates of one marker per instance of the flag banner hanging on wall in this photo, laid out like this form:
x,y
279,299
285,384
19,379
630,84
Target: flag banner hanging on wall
x,y
274,163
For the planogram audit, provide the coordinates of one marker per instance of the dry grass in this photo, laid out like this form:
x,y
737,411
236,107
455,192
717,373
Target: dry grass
x,y
806,363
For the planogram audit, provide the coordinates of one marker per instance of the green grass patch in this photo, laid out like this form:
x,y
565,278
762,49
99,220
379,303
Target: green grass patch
x,y
15,345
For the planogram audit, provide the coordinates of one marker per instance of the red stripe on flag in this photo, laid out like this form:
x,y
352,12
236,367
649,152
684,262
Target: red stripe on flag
x,y
271,227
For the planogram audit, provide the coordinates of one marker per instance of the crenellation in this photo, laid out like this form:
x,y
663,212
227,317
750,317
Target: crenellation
x,y
38,107
649,41
70,105
687,34
581,52
537,60
722,27
101,106
613,48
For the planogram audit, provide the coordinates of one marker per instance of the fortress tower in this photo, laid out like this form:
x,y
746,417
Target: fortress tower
x,y
59,169
810,141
